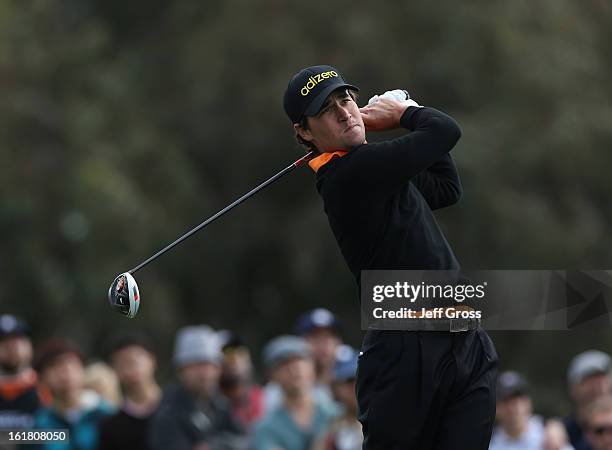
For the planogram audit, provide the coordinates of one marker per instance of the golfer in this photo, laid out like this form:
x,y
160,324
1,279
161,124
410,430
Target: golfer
x,y
416,390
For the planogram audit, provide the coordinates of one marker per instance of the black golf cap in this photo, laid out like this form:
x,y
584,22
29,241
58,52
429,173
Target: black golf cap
x,y
308,90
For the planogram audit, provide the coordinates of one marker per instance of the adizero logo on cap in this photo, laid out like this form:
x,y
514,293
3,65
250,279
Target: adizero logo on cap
x,y
313,81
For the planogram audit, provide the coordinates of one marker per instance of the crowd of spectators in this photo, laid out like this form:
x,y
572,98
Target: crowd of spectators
x,y
216,402
588,427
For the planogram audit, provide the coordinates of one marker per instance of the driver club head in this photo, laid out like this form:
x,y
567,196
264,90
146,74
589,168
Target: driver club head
x,y
123,295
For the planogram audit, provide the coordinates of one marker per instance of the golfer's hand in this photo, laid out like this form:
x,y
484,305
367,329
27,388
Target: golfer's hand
x,y
384,114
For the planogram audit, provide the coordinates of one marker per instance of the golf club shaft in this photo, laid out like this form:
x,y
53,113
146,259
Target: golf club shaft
x,y
214,217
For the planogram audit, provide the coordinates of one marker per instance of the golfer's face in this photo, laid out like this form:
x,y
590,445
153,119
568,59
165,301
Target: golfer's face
x,y
338,125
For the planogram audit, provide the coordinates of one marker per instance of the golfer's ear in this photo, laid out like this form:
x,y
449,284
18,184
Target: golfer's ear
x,y
302,132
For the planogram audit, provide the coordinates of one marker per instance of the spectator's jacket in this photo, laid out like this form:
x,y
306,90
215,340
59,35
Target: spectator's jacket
x,y
576,436
344,433
20,398
82,423
183,422
278,430
531,439
273,397
251,409
125,430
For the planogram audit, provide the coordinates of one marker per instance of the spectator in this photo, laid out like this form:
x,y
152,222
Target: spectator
x,y
518,428
19,394
246,398
193,414
598,423
345,432
588,378
133,360
300,418
60,366
100,378
321,330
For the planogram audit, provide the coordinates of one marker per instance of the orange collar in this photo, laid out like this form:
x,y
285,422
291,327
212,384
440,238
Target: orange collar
x,y
320,161
10,389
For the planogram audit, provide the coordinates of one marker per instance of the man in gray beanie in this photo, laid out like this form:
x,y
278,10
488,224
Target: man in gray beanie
x,y
192,414
294,424
588,378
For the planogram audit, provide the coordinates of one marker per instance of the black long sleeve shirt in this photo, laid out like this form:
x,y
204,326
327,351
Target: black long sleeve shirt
x,y
379,197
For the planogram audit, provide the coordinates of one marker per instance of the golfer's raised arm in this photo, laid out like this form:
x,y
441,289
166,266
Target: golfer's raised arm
x,y
440,184
392,163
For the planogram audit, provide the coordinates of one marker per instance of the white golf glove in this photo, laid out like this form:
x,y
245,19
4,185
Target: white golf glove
x,y
397,94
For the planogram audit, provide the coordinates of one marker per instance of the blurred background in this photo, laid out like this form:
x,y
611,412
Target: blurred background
x,y
124,124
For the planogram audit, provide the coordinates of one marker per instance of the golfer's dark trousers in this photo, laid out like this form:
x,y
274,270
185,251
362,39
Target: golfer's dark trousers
x,y
427,390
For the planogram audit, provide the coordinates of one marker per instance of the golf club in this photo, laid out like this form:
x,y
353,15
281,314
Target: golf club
x,y
123,293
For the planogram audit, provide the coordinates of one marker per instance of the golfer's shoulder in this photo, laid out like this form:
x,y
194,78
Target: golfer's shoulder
x,y
337,174
431,119
348,173
346,165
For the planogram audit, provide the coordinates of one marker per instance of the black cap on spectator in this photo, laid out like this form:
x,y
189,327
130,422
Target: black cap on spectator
x,y
510,384
232,341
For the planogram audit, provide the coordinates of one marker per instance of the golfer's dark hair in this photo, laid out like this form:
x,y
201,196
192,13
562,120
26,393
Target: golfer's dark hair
x,y
310,147
304,124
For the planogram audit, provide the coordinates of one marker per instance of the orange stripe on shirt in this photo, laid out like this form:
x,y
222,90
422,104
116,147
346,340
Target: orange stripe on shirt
x,y
320,161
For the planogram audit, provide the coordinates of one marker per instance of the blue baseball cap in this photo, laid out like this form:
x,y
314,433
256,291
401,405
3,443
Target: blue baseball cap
x,y
317,318
11,325
346,363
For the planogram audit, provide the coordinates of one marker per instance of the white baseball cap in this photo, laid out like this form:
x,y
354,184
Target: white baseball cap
x,y
587,363
196,344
